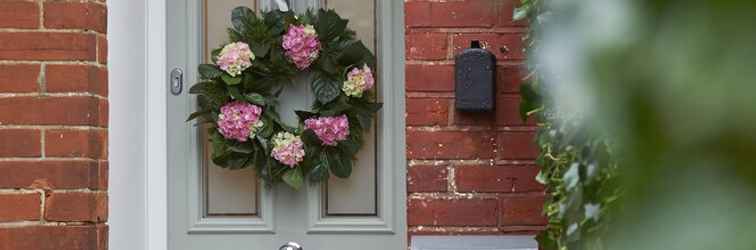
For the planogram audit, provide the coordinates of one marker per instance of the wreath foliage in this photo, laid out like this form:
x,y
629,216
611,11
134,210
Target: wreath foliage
x,y
238,93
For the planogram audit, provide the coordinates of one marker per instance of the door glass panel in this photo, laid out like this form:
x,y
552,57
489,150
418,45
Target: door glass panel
x,y
226,192
356,196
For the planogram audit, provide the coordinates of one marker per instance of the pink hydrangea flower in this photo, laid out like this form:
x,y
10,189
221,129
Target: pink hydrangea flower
x,y
239,120
330,129
235,58
358,81
301,45
288,149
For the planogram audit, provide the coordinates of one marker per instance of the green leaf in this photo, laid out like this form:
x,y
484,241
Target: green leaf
x,y
197,114
325,90
304,115
330,25
340,166
242,148
201,87
319,172
228,79
294,178
255,98
356,54
260,49
521,12
238,17
209,71
349,147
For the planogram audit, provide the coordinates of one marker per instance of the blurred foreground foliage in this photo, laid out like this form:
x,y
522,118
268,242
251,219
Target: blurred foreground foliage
x,y
647,114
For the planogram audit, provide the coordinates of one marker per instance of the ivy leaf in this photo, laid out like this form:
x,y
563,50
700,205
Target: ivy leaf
x,y
238,17
521,13
340,166
230,80
209,71
294,178
325,90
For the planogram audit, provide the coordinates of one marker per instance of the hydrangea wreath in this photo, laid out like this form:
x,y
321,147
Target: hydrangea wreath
x,y
237,96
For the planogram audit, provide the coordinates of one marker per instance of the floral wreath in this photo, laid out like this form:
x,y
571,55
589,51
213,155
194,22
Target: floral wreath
x,y
238,94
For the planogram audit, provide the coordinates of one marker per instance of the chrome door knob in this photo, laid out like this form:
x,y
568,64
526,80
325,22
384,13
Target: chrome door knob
x,y
291,246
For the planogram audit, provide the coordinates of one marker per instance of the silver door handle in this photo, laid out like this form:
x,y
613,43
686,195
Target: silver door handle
x,y
177,81
291,246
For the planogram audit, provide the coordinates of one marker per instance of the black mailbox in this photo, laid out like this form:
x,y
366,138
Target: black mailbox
x,y
475,76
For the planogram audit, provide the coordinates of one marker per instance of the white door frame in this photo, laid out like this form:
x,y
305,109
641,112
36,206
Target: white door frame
x,y
156,232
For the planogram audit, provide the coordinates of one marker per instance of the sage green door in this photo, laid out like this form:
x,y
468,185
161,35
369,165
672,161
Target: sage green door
x,y
211,208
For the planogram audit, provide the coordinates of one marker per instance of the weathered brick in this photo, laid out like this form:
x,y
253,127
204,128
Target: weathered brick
x,y
516,146
522,210
508,111
20,143
77,78
509,78
499,179
74,110
427,111
452,14
47,46
426,46
19,14
19,78
85,237
505,46
436,78
90,143
76,206
427,179
20,207
452,212
440,145
63,174
102,50
76,15
418,14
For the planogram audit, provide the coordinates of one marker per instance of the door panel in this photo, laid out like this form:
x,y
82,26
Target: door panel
x,y
214,208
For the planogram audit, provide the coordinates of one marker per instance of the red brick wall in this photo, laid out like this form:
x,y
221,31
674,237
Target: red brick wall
x,y
53,124
467,173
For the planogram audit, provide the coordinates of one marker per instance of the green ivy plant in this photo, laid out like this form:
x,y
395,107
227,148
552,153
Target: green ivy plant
x,y
578,166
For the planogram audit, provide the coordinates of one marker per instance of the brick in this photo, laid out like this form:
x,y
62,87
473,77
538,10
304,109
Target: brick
x,y
20,143
426,46
19,14
19,78
505,46
74,110
506,12
88,143
47,46
435,78
522,210
76,15
485,119
440,145
418,14
20,207
508,111
76,206
499,179
427,179
70,174
463,14
102,50
509,78
77,78
516,146
84,237
452,212
427,111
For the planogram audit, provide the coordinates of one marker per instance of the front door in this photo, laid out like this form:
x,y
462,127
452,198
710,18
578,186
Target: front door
x,y
211,208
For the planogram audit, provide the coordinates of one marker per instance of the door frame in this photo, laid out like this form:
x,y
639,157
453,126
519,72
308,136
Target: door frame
x,y
156,177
